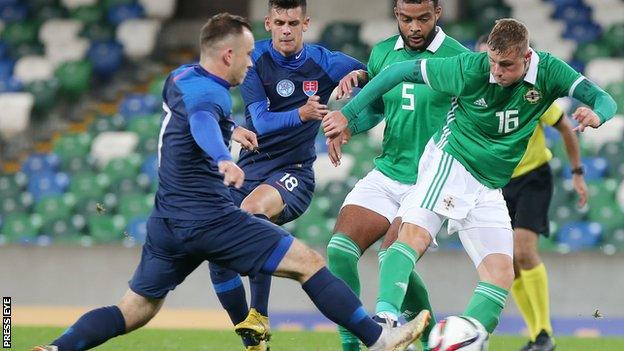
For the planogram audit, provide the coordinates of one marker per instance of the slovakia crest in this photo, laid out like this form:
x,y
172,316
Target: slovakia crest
x,y
310,87
285,88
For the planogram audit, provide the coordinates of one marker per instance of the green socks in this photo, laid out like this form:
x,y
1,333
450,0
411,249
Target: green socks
x,y
486,305
396,267
343,255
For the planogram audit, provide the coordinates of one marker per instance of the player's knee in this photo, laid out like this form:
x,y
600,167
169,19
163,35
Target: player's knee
x,y
255,208
525,257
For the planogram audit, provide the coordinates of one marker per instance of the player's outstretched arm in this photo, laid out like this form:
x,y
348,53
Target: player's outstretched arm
x,y
387,79
335,122
245,137
571,143
603,105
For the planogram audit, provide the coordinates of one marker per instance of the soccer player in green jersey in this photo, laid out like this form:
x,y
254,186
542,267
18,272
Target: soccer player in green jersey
x,y
499,97
412,113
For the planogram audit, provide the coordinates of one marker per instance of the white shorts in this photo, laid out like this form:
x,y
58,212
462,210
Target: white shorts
x,y
446,190
378,193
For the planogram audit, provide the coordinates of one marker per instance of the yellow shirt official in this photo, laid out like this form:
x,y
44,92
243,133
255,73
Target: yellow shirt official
x,y
537,153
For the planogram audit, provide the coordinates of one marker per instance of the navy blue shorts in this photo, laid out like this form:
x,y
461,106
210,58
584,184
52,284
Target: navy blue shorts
x,y
295,185
237,241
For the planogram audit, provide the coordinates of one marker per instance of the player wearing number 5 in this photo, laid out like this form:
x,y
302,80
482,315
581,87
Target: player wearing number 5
x,y
500,96
285,93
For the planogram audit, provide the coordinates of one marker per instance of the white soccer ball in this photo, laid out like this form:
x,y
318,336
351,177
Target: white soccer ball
x,y
459,333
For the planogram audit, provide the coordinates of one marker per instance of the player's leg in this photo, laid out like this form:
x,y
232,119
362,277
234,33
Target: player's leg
x,y
163,266
531,221
262,246
364,218
338,303
487,237
417,297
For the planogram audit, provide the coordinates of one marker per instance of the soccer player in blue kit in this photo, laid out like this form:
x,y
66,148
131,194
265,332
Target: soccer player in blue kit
x,y
285,95
195,220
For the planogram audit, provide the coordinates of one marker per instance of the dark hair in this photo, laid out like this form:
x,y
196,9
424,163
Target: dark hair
x,y
509,34
220,26
288,4
436,3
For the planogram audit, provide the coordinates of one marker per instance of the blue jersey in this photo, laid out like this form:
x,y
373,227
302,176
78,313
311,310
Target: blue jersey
x,y
190,186
278,84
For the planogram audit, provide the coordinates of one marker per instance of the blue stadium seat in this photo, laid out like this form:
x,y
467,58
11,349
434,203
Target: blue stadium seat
x,y
106,57
150,167
47,183
573,13
595,168
585,32
10,84
137,229
6,68
121,13
4,49
560,3
13,13
36,163
580,235
138,105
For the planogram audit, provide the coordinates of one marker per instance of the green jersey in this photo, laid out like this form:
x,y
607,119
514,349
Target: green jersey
x,y
488,126
413,112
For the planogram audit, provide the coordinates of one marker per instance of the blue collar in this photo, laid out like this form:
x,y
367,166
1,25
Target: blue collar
x,y
291,62
215,78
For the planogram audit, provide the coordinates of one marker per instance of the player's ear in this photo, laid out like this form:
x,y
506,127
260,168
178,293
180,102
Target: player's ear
x,y
306,23
267,23
438,12
228,56
396,13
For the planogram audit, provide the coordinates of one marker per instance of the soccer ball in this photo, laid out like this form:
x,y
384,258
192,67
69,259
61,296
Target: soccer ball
x,y
459,333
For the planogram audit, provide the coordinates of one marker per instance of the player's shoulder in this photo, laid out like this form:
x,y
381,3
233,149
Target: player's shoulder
x,y
474,61
193,82
260,48
320,53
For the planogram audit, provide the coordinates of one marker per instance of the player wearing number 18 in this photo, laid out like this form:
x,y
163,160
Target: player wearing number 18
x,y
499,97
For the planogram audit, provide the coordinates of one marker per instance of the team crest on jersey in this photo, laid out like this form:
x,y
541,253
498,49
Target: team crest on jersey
x,y
310,87
532,96
285,88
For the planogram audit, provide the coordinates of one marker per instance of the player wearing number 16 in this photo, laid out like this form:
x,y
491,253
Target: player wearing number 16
x,y
499,96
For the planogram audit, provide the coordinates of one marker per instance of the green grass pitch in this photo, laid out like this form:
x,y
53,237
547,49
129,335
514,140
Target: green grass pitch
x,y
185,340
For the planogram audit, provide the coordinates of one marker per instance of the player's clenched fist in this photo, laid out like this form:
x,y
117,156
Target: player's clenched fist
x,y
586,118
346,84
232,174
313,109
246,138
334,123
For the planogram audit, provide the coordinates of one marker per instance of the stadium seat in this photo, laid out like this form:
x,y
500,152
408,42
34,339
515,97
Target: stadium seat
x,y
21,202
87,14
138,37
89,184
18,226
109,145
123,167
15,109
6,68
595,168
9,185
17,33
462,31
137,229
146,127
60,52
596,138
150,167
160,9
96,206
336,34
580,235
134,205
98,32
59,30
605,71
72,145
13,13
43,184
48,12
614,242
37,163
77,164
107,124
106,57
259,32
74,78
55,207
74,4
582,32
121,13
592,51
136,105
106,228
325,172
32,68
44,93
374,31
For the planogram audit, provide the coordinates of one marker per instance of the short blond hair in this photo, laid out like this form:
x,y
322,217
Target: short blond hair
x,y
509,34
